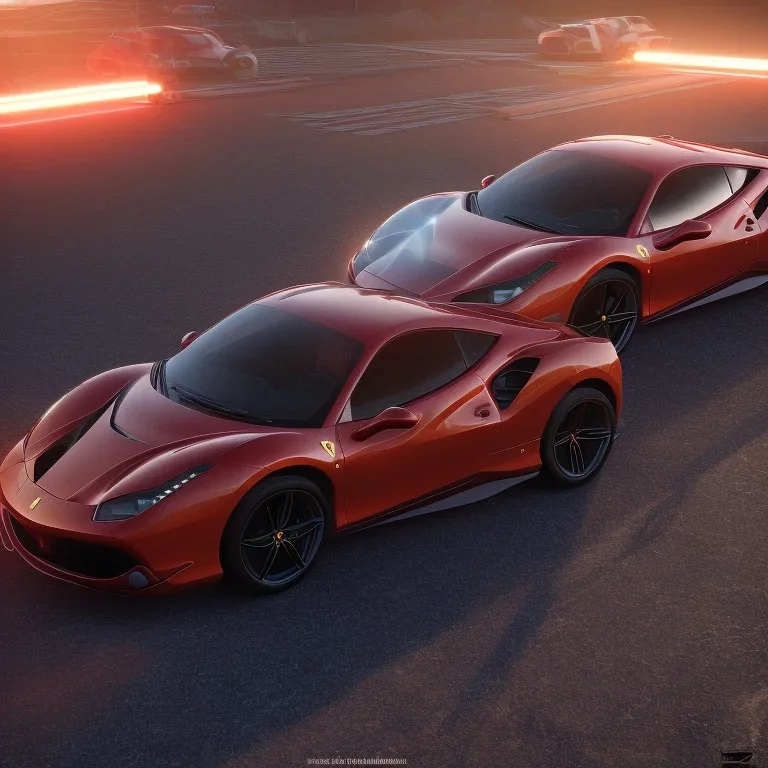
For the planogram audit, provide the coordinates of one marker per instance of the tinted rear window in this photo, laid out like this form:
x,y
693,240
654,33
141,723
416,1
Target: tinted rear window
x,y
276,367
568,193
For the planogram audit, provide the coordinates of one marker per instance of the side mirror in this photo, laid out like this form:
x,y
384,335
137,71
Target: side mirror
x,y
188,338
487,181
688,230
391,418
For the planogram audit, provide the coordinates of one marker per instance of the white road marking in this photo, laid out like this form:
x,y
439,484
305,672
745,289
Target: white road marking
x,y
388,118
338,59
574,107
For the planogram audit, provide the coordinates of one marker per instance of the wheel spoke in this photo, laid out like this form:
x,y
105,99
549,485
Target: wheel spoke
x,y
577,459
284,510
578,415
574,457
593,433
270,516
267,540
621,317
594,326
300,530
268,563
617,302
561,438
604,302
293,553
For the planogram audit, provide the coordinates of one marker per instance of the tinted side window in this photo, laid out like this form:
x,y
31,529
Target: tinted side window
x,y
740,177
405,369
474,346
688,194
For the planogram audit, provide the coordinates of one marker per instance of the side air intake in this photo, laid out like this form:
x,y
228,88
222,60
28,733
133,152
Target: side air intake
x,y
510,382
47,459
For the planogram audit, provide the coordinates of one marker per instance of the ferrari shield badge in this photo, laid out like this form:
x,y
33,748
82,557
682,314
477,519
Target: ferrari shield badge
x,y
330,448
35,503
643,251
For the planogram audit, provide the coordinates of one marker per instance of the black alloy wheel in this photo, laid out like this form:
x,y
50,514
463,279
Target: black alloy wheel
x,y
275,533
608,307
578,437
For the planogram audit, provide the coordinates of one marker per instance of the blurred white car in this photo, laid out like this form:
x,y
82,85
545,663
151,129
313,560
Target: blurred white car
x,y
609,39
636,31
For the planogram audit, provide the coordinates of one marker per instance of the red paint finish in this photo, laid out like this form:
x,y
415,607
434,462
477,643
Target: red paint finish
x,y
143,439
478,252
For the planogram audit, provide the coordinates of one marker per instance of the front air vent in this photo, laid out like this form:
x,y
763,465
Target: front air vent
x,y
48,458
510,382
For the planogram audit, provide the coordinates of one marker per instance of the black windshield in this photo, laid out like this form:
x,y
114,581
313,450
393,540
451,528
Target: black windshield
x,y
265,364
568,193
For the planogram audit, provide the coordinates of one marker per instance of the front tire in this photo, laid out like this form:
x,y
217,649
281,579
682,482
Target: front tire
x,y
578,437
608,307
274,534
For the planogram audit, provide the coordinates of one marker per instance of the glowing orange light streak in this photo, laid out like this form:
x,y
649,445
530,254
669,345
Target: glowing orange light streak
x,y
72,97
700,61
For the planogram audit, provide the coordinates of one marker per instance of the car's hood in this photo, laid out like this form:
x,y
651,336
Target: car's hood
x,y
141,439
435,246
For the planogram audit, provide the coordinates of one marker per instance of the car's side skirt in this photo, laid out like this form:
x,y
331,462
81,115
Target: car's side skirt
x,y
468,492
742,284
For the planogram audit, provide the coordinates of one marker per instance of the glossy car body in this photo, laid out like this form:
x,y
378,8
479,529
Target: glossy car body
x,y
171,50
693,229
462,443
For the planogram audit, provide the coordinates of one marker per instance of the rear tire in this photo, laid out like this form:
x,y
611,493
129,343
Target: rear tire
x,y
274,535
578,437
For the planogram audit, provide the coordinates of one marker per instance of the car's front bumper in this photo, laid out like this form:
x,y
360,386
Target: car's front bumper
x,y
60,539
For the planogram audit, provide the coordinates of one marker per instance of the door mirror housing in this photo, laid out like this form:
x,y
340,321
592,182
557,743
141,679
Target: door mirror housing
x,y
487,181
688,230
391,418
188,338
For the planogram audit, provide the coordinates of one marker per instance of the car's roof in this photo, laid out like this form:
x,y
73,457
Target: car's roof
x,y
661,155
373,317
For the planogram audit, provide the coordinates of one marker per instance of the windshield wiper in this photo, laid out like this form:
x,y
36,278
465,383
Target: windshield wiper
x,y
528,224
211,405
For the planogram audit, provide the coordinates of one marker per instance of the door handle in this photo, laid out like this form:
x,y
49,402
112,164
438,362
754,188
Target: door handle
x,y
483,411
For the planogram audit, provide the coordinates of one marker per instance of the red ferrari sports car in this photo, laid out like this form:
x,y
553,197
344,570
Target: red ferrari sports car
x,y
599,233
315,410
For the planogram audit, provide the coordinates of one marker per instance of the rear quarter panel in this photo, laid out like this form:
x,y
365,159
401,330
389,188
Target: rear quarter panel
x,y
566,363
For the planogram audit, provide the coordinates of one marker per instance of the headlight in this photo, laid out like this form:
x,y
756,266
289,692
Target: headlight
x,y
504,292
127,507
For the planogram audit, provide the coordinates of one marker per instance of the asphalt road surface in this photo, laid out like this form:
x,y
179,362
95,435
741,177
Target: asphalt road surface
x,y
622,624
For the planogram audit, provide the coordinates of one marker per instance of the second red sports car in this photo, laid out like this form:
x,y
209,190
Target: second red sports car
x,y
315,410
601,233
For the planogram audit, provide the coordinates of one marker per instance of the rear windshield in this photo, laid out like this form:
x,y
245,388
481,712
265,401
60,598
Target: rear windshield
x,y
566,193
267,365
